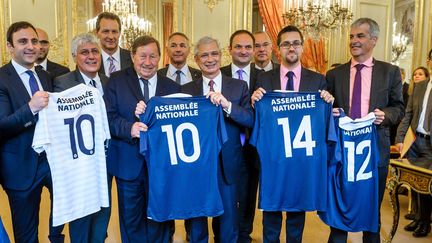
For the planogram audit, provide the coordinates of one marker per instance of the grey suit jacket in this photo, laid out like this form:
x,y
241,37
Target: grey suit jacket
x,y
72,79
125,61
55,69
412,111
195,73
386,95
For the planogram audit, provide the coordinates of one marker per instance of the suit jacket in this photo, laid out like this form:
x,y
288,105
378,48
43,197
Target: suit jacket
x,y
274,66
125,61
227,71
412,111
72,79
195,73
55,69
310,81
122,93
18,161
386,95
241,116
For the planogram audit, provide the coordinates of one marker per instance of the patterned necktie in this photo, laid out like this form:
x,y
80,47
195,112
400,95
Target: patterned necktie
x,y
240,74
34,87
427,118
145,89
112,67
290,82
211,84
178,77
356,94
93,83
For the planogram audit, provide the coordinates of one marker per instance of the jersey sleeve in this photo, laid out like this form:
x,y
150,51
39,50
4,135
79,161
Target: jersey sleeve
x,y
146,119
104,117
41,135
221,131
255,130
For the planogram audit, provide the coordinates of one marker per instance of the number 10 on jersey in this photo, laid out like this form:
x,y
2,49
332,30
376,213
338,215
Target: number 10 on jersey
x,y
176,144
305,129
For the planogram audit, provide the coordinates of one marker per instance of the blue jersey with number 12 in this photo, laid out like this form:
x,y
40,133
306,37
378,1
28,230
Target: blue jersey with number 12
x,y
181,148
353,177
291,132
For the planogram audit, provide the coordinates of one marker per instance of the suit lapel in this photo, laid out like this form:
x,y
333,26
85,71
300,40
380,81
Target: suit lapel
x,y
345,83
78,77
160,87
275,79
304,77
124,58
43,78
133,82
17,83
226,87
376,82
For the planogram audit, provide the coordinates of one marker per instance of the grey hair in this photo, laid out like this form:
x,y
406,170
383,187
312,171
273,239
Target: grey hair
x,y
203,41
373,26
82,39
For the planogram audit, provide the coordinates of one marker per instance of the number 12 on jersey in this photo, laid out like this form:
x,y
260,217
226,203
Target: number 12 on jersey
x,y
305,129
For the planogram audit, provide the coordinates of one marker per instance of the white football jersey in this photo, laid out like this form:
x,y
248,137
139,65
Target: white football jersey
x,y
72,130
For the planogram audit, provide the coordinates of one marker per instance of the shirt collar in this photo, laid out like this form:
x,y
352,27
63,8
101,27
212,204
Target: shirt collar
x,y
245,69
87,79
115,55
297,70
20,69
217,80
172,70
43,64
152,81
367,63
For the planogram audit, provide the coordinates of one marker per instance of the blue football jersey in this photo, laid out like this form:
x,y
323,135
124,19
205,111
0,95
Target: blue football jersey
x,y
181,149
291,133
353,177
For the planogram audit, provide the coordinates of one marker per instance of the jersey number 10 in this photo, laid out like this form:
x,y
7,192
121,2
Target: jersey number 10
x,y
176,146
78,126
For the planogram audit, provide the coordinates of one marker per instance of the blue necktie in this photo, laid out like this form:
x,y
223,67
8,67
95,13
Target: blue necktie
x,y
34,87
356,94
178,77
290,83
145,90
93,83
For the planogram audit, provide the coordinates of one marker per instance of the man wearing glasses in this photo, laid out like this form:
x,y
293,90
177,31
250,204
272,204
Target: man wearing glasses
x,y
54,69
263,52
289,76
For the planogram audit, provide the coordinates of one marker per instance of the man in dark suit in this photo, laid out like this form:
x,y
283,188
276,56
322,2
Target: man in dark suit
x,y
22,95
233,96
54,69
242,50
263,52
114,58
418,117
86,55
178,49
290,41
380,93
126,91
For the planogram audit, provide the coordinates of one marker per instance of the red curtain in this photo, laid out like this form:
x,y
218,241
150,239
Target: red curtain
x,y
167,9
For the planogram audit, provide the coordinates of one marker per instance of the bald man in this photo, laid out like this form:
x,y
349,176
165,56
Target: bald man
x,y
263,52
54,69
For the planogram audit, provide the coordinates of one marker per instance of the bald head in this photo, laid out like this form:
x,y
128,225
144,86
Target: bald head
x,y
44,45
263,49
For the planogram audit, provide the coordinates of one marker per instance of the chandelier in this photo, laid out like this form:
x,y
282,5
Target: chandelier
x,y
132,25
316,17
399,44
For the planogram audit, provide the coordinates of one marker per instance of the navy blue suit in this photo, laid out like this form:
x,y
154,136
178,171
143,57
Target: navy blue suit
x,y
272,221
231,157
124,161
23,172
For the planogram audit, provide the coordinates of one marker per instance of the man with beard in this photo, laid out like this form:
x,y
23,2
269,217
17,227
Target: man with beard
x,y
289,76
114,58
54,69
263,52
365,85
178,49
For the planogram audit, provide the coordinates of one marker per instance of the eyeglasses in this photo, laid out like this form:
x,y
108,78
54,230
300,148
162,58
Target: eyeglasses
x,y
287,44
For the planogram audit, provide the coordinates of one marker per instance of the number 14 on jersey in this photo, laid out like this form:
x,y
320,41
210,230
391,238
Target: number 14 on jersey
x,y
304,130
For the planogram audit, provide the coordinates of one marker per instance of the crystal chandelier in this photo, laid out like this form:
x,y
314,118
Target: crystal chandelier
x,y
399,45
316,17
132,25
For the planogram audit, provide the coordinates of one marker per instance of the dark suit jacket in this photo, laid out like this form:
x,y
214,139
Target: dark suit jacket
x,y
227,71
122,93
195,73
241,116
18,161
55,69
274,66
386,95
412,111
72,79
310,81
125,61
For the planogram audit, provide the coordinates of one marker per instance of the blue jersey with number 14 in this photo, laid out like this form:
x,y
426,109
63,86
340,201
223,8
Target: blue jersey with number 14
x,y
353,177
181,148
291,132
